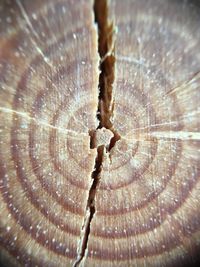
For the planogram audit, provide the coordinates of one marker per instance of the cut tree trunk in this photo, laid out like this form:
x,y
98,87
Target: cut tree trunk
x,y
99,133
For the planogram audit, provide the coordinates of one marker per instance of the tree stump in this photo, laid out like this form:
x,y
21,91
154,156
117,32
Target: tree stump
x,y
99,133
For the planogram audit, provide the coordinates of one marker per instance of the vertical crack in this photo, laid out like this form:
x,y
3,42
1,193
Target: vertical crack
x,y
90,208
107,64
104,114
106,52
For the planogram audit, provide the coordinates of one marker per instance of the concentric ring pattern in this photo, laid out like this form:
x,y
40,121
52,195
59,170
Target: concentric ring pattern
x,y
48,100
148,199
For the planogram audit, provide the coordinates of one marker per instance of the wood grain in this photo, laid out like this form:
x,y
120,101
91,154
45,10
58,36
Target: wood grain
x,y
99,133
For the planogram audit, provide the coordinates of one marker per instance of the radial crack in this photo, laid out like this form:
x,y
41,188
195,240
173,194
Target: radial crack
x,y
107,64
100,138
90,208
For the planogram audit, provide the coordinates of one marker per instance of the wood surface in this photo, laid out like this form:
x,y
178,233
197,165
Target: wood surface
x,y
99,133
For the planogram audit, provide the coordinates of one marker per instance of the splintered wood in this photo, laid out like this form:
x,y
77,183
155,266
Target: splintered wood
x,y
99,133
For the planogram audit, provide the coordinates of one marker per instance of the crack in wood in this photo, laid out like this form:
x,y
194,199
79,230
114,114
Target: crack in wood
x,y
104,114
107,34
